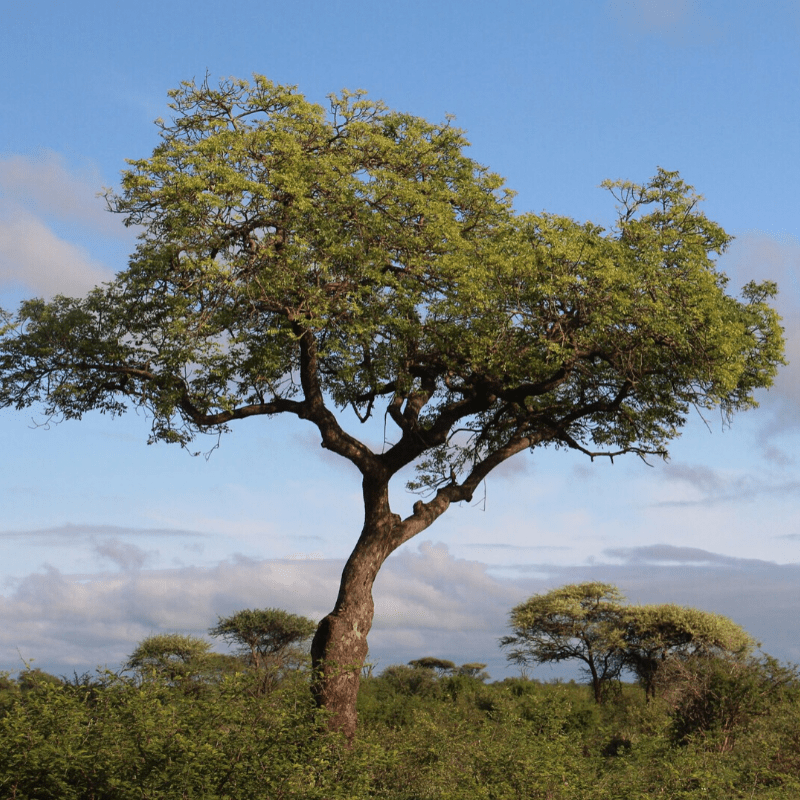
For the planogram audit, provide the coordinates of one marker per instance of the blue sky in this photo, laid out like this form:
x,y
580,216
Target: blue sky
x,y
104,540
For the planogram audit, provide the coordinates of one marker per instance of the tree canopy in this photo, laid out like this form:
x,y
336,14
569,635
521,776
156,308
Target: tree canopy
x,y
366,250
440,665
653,634
580,621
170,655
264,634
590,622
301,260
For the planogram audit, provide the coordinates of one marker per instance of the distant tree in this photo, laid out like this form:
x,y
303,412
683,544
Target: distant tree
x,y
440,665
474,670
170,656
31,678
407,680
299,261
264,636
576,622
589,622
656,633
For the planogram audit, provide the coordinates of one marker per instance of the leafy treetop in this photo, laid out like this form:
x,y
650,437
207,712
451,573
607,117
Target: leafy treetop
x,y
589,622
173,655
440,665
290,257
264,634
655,633
578,621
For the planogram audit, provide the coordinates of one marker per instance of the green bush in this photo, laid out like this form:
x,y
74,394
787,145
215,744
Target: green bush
x,y
451,737
151,740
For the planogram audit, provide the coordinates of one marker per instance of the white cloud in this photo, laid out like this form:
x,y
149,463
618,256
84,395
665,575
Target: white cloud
x,y
36,196
32,255
50,537
44,184
427,602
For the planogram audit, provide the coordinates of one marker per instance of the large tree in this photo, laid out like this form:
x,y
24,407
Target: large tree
x,y
299,261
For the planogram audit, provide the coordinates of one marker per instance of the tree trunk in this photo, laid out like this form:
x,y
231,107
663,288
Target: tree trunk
x,y
339,648
596,682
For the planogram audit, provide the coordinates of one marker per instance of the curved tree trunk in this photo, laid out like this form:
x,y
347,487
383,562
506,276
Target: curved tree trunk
x,y
339,648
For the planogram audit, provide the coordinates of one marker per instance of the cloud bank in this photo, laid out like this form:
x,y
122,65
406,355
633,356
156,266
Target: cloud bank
x,y
427,601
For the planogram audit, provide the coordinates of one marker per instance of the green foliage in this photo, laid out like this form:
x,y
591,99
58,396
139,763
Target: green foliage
x,y
362,247
474,670
150,740
441,665
110,737
463,739
30,680
269,641
409,680
264,635
171,656
657,634
589,622
713,696
578,621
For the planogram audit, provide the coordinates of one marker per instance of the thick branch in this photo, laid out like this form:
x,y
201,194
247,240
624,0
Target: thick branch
x,y
202,420
425,514
416,440
518,394
334,437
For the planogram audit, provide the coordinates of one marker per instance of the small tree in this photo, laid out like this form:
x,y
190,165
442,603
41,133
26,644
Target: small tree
x,y
440,665
580,621
653,634
264,636
171,656
474,670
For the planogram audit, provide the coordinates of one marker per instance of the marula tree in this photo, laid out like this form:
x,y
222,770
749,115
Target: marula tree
x,y
303,261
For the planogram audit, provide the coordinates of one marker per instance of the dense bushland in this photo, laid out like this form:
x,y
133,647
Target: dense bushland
x,y
717,728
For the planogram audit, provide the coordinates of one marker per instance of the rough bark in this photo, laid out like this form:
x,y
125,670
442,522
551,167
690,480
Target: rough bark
x,y
339,648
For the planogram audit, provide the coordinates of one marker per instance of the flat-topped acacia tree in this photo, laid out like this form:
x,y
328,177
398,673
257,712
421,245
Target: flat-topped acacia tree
x,y
298,260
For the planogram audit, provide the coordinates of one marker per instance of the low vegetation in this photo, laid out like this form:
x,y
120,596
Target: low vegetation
x,y
716,729
183,722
